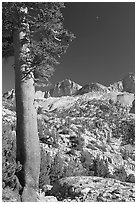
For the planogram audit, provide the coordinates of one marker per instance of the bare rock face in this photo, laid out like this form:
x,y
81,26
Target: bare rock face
x,y
63,88
129,83
93,87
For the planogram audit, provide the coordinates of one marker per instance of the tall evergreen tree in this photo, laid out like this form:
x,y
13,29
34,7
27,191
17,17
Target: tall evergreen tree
x,y
33,32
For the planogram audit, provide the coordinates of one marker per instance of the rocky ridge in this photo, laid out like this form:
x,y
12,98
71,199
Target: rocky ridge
x,y
93,87
68,88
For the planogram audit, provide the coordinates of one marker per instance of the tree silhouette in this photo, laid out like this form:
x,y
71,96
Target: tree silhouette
x,y
34,34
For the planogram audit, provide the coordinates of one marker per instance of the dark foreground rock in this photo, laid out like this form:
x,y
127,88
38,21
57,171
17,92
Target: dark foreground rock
x,y
93,189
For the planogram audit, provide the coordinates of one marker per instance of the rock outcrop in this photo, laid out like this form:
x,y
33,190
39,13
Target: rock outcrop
x,y
116,87
127,84
125,99
63,88
93,87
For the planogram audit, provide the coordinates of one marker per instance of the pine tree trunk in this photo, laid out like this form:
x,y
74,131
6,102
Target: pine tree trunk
x,y
28,150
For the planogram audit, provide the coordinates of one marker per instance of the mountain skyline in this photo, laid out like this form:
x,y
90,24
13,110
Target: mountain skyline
x,y
104,48
67,87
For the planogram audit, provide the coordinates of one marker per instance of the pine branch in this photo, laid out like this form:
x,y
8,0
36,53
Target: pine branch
x,y
49,40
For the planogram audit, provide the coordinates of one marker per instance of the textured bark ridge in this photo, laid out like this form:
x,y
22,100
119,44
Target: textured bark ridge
x,y
28,150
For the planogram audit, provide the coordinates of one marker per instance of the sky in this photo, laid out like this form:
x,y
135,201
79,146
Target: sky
x,y
104,48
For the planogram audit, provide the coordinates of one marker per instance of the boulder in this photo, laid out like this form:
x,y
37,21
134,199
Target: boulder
x,y
125,99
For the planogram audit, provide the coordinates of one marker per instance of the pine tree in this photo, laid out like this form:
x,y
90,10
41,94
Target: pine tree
x,y
34,34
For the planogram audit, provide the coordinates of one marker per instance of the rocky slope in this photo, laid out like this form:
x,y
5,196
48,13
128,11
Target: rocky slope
x,y
87,147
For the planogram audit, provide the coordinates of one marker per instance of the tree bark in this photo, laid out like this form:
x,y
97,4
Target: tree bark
x,y
28,149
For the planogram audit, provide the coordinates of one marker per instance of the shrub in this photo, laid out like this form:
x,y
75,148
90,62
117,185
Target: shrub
x,y
65,166
44,169
9,165
57,168
9,195
128,130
